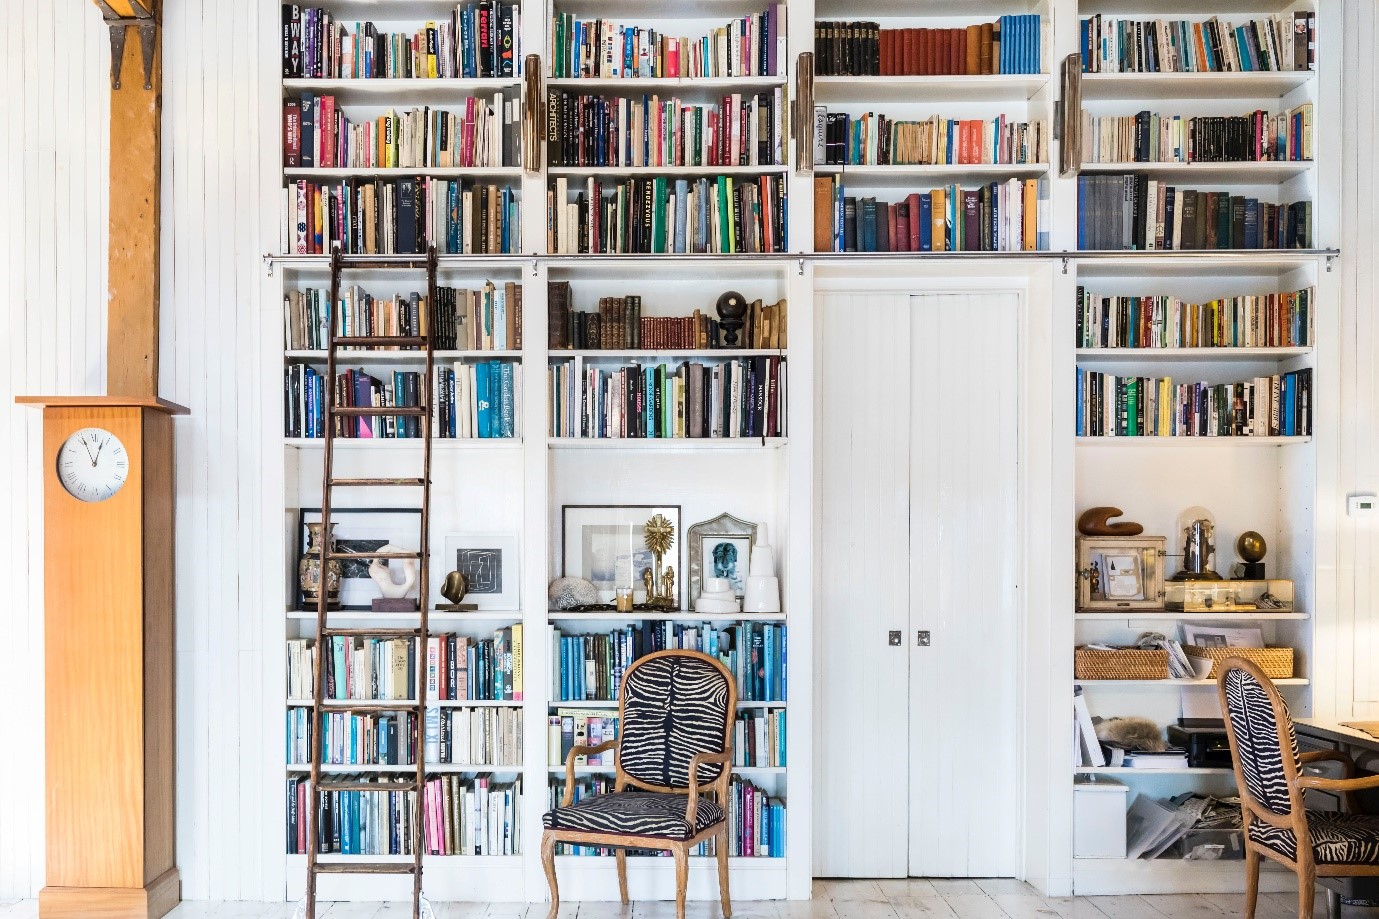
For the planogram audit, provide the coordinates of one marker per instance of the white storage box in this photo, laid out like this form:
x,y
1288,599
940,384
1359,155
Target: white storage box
x,y
1099,805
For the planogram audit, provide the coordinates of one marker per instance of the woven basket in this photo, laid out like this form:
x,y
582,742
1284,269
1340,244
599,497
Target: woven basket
x,y
1277,663
1120,664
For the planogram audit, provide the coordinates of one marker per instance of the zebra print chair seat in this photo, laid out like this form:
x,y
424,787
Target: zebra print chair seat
x,y
636,813
672,763
1269,775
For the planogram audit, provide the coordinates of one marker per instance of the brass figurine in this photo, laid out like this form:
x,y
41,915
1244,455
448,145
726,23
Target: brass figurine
x,y
455,586
660,583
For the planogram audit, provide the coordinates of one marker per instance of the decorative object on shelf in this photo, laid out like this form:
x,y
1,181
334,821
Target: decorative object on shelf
x,y
358,530
1100,662
717,597
803,125
488,562
1197,526
1251,548
1131,733
1239,596
763,587
609,545
309,570
394,599
731,308
660,578
720,548
1069,116
572,593
533,131
624,600
1096,521
1120,573
453,588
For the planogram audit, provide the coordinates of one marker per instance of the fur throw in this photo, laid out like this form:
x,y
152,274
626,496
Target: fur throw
x,y
1131,733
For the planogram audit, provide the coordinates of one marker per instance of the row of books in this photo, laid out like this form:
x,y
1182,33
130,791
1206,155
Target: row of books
x,y
749,46
1280,320
1270,406
619,324
1148,137
735,398
738,130
459,667
354,738
304,403
480,39
1010,45
759,738
1008,216
317,133
400,216
463,815
484,319
877,140
483,736
1135,212
479,400
590,667
721,214
1113,45
578,727
307,316
756,820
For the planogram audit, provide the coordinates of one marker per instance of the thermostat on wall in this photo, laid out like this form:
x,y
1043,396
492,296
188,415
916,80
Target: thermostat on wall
x,y
1361,505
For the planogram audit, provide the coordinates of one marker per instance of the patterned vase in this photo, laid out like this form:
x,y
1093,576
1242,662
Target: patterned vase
x,y
309,570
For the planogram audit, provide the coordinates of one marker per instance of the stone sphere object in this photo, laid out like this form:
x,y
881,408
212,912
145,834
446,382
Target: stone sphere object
x,y
567,593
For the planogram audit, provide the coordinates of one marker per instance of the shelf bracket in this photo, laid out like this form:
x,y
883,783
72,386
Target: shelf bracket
x,y
1330,261
534,263
799,267
142,19
1065,261
268,261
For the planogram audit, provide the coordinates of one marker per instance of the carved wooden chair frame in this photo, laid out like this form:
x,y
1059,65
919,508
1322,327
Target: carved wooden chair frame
x,y
679,849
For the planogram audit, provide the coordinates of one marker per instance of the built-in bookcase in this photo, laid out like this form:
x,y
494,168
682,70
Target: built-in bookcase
x,y
517,485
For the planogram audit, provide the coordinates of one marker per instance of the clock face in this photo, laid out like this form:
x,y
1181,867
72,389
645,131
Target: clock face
x,y
92,464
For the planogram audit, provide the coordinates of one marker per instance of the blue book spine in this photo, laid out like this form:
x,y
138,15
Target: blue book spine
x,y
681,205
484,396
509,414
926,223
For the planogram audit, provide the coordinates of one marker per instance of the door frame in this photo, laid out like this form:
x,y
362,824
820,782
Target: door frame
x,y
1044,484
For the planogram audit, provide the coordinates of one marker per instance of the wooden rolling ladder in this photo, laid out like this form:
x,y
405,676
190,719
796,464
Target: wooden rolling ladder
x,y
419,633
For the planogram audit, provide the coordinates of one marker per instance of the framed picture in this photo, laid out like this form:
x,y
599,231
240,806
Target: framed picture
x,y
606,545
1120,572
489,563
720,548
362,529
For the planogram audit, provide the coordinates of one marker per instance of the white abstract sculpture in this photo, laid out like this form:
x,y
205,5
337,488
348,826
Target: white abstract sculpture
x,y
382,574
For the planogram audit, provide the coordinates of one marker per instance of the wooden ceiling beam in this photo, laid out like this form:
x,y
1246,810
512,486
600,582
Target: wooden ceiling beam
x,y
136,109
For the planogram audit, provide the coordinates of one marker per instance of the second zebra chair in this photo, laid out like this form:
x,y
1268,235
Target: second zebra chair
x,y
673,759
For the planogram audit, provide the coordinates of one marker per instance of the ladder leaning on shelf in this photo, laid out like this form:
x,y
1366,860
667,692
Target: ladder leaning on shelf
x,y
419,633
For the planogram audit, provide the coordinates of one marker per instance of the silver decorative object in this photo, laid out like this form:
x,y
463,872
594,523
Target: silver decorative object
x,y
568,593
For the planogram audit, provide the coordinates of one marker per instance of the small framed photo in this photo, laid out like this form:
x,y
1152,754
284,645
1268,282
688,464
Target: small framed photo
x,y
1120,573
606,545
489,563
361,529
720,548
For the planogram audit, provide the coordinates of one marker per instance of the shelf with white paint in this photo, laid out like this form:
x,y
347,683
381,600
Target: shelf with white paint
x,y
1190,442
1174,684
405,443
608,770
604,703
1166,355
1256,84
374,355
343,704
407,769
668,444
1133,770
1174,616
604,615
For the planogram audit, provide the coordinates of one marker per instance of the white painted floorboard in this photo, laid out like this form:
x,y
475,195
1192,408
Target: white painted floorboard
x,y
938,898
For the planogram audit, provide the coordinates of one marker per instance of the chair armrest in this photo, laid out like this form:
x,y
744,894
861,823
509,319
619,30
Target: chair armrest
x,y
569,796
1333,756
699,759
1340,786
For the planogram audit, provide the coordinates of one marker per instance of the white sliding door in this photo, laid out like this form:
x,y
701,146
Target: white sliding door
x,y
918,755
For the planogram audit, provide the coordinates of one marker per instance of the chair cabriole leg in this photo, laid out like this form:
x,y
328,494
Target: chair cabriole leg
x,y
681,852
721,847
548,862
622,875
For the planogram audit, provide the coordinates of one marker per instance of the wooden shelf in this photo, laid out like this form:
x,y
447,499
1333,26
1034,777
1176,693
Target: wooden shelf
x,y
1191,354
998,88
1189,442
668,444
1250,173
1232,85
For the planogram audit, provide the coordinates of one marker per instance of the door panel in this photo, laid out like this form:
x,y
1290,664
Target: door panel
x,y
964,752
860,738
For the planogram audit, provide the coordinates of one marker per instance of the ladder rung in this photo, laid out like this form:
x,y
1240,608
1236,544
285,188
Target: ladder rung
x,y
398,555
369,705
379,341
365,868
368,483
361,785
364,263
410,411
374,633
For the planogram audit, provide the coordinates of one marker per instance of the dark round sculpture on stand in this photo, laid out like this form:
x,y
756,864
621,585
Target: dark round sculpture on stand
x,y
1251,548
731,307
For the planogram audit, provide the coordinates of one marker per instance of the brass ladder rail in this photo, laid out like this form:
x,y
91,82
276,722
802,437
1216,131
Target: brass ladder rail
x,y
419,633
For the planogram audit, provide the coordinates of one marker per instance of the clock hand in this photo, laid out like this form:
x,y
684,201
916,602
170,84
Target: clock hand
x,y
98,451
87,447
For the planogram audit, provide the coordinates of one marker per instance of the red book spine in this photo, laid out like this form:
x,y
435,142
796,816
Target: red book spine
x,y
913,201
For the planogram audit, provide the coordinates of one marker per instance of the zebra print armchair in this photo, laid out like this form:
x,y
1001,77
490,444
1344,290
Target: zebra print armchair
x,y
1268,773
676,711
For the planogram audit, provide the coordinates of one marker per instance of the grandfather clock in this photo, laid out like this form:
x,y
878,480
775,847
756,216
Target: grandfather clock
x,y
108,498
108,663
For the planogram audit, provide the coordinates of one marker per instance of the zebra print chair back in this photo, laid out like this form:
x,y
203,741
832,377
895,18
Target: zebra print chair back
x,y
674,704
1260,727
